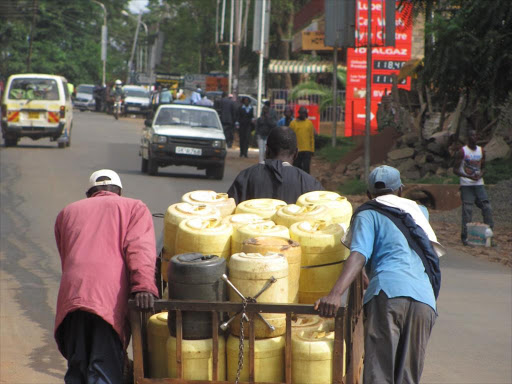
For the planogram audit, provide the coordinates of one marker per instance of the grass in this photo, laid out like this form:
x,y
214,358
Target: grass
x,y
498,170
352,187
434,180
326,152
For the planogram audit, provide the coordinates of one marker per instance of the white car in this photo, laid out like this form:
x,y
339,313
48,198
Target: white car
x,y
37,106
84,99
184,135
136,100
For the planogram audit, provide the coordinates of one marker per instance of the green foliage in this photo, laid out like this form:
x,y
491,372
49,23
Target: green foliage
x,y
498,170
324,149
353,187
65,40
472,49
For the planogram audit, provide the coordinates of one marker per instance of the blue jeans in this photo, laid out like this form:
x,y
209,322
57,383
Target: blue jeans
x,y
474,194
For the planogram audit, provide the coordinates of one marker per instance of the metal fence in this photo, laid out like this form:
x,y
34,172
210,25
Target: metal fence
x,y
280,98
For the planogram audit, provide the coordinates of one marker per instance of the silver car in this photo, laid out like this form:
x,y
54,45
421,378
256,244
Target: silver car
x,y
184,135
84,99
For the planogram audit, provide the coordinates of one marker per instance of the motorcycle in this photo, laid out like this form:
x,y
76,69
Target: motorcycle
x,y
118,104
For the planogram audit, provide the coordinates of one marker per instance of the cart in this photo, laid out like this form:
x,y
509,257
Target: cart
x,y
348,328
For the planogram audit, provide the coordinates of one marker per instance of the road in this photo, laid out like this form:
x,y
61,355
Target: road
x,y
471,342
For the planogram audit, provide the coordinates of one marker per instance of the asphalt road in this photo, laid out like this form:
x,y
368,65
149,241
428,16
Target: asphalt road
x,y
471,341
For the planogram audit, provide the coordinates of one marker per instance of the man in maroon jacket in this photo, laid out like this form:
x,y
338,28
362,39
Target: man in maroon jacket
x,y
107,249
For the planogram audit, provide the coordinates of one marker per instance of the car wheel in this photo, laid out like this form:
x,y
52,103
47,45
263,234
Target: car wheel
x,y
215,172
152,166
144,165
61,144
11,142
68,143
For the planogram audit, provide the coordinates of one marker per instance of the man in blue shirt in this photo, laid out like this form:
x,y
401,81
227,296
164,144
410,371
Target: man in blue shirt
x,y
399,303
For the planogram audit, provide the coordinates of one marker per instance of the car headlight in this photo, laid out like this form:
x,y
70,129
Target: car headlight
x,y
159,139
218,143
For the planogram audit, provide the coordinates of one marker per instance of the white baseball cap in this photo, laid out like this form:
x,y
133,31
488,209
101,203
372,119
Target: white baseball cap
x,y
113,176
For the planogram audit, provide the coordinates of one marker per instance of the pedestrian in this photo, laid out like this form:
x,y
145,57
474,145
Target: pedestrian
x,y
469,165
271,111
228,117
107,248
196,95
264,125
205,102
392,238
276,177
245,123
303,128
287,118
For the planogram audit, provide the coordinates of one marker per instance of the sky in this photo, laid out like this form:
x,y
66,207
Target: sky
x,y
138,6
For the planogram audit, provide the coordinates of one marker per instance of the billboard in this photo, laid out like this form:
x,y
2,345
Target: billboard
x,y
385,62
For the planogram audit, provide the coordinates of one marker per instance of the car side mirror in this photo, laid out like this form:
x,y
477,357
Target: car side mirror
x,y
148,122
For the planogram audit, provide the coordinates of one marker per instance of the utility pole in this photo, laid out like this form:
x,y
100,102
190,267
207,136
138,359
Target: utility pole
x,y
261,53
130,62
31,36
334,94
238,33
368,93
230,69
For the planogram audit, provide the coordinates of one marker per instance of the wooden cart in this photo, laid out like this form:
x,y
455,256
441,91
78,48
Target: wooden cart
x,y
348,328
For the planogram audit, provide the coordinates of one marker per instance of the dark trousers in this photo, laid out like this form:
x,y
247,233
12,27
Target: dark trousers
x,y
228,132
396,333
474,194
245,134
303,160
92,348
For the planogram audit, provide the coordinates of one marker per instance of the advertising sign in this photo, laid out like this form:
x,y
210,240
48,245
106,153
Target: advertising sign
x,y
386,61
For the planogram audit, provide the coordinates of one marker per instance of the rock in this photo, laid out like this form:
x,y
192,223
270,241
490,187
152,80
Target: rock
x,y
449,172
436,148
420,158
429,168
438,159
403,153
411,174
441,172
410,139
497,148
430,158
406,165
431,125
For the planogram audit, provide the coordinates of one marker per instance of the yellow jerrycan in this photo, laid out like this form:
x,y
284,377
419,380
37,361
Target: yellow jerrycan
x,y
248,231
312,357
268,360
225,204
157,332
206,236
174,215
249,273
322,256
265,208
301,323
239,219
197,359
339,207
294,213
289,248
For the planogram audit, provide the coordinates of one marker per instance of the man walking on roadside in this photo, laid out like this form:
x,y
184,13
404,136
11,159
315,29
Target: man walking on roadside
x,y
107,248
469,165
303,128
391,236
276,177
228,117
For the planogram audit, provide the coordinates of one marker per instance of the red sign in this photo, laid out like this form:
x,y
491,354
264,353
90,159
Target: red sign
x,y
385,62
313,114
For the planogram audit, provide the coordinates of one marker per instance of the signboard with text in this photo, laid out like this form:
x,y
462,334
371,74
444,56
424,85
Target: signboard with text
x,y
386,61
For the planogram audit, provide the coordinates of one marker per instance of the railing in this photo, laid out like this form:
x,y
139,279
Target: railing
x,y
347,328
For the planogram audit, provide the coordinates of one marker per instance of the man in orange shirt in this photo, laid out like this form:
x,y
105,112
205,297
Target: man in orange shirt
x,y
303,128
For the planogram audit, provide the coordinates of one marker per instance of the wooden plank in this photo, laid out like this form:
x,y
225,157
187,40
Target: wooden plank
x,y
357,352
215,345
138,361
179,339
288,349
339,358
251,347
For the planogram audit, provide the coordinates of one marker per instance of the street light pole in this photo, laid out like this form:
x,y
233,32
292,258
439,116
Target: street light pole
x,y
103,40
139,22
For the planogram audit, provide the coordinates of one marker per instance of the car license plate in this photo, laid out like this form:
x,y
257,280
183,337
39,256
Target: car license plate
x,y
189,151
33,115
133,108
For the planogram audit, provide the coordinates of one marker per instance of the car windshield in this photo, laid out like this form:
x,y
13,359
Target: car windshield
x,y
191,117
85,89
136,92
34,89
